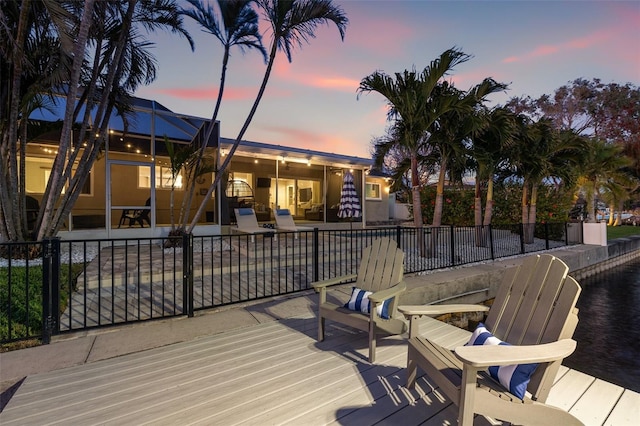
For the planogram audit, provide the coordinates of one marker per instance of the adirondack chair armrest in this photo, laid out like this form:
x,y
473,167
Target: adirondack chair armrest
x,y
414,312
319,285
435,310
485,356
388,293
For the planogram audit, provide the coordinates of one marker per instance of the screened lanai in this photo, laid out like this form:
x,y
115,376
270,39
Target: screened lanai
x,y
129,189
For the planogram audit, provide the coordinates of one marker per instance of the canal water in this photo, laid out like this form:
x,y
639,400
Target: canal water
x,y
608,332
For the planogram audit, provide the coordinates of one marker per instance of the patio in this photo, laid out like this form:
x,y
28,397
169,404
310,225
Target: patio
x,y
275,373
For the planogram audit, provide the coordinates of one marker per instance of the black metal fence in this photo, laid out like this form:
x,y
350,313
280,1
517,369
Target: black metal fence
x,y
74,285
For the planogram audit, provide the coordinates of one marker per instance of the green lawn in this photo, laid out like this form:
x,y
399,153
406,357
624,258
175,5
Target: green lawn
x,y
614,232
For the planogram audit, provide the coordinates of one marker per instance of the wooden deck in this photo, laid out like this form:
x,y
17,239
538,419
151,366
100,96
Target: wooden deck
x,y
276,373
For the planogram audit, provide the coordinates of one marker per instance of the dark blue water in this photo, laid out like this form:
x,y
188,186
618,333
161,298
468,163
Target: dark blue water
x,y
608,332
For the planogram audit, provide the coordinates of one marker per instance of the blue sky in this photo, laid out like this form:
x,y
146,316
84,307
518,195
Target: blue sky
x,y
534,46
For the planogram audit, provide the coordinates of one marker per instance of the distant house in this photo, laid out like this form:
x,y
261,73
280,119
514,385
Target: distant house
x,y
133,176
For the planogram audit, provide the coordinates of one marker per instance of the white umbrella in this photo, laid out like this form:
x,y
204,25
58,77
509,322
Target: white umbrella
x,y
349,201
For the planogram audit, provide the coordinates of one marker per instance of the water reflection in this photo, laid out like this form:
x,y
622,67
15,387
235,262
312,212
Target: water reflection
x,y
608,334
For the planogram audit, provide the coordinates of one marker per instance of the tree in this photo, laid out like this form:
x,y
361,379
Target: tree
x,y
452,131
409,97
292,23
34,44
100,59
489,147
610,112
601,164
237,26
541,155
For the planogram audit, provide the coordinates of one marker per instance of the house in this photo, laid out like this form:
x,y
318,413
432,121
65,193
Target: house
x,y
134,175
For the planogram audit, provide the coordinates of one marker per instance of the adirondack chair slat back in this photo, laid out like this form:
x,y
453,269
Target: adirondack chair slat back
x,y
536,304
509,297
561,325
381,265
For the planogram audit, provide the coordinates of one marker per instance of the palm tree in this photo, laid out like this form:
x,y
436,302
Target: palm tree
x,y
292,22
488,151
121,63
236,27
542,154
451,132
34,44
601,164
409,97
615,191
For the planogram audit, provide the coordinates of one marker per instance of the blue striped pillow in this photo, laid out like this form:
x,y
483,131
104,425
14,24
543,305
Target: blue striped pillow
x,y
514,377
359,301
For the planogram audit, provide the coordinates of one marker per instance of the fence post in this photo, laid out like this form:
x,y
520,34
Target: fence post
x,y
50,288
399,235
522,238
187,277
315,252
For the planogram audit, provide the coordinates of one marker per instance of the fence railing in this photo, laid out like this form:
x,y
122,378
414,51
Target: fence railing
x,y
54,286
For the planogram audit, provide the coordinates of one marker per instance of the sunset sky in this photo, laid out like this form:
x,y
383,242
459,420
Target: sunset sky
x,y
311,103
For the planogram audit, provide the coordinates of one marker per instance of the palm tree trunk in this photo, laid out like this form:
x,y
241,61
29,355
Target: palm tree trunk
x,y
236,143
525,208
437,210
418,222
612,210
477,210
532,215
95,143
186,204
488,213
46,223
10,209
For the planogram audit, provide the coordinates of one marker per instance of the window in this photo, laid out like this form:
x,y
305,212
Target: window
x,y
38,171
372,191
164,179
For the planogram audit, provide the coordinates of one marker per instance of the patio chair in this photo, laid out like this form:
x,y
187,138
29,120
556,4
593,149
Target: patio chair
x,y
284,221
136,216
380,273
535,311
248,223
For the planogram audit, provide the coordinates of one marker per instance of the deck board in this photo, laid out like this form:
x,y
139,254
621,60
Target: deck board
x,y
276,373
597,402
626,411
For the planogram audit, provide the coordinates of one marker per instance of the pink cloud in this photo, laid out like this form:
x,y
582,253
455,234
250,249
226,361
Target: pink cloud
x,y
230,93
544,51
596,38
325,142
203,93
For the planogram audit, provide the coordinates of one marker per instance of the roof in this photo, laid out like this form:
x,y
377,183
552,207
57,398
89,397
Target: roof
x,y
183,128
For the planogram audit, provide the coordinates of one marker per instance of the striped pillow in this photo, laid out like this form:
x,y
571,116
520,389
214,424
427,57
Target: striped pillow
x,y
359,301
513,377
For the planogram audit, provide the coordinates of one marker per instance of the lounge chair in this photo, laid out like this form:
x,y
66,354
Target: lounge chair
x,y
380,272
284,221
248,223
535,312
